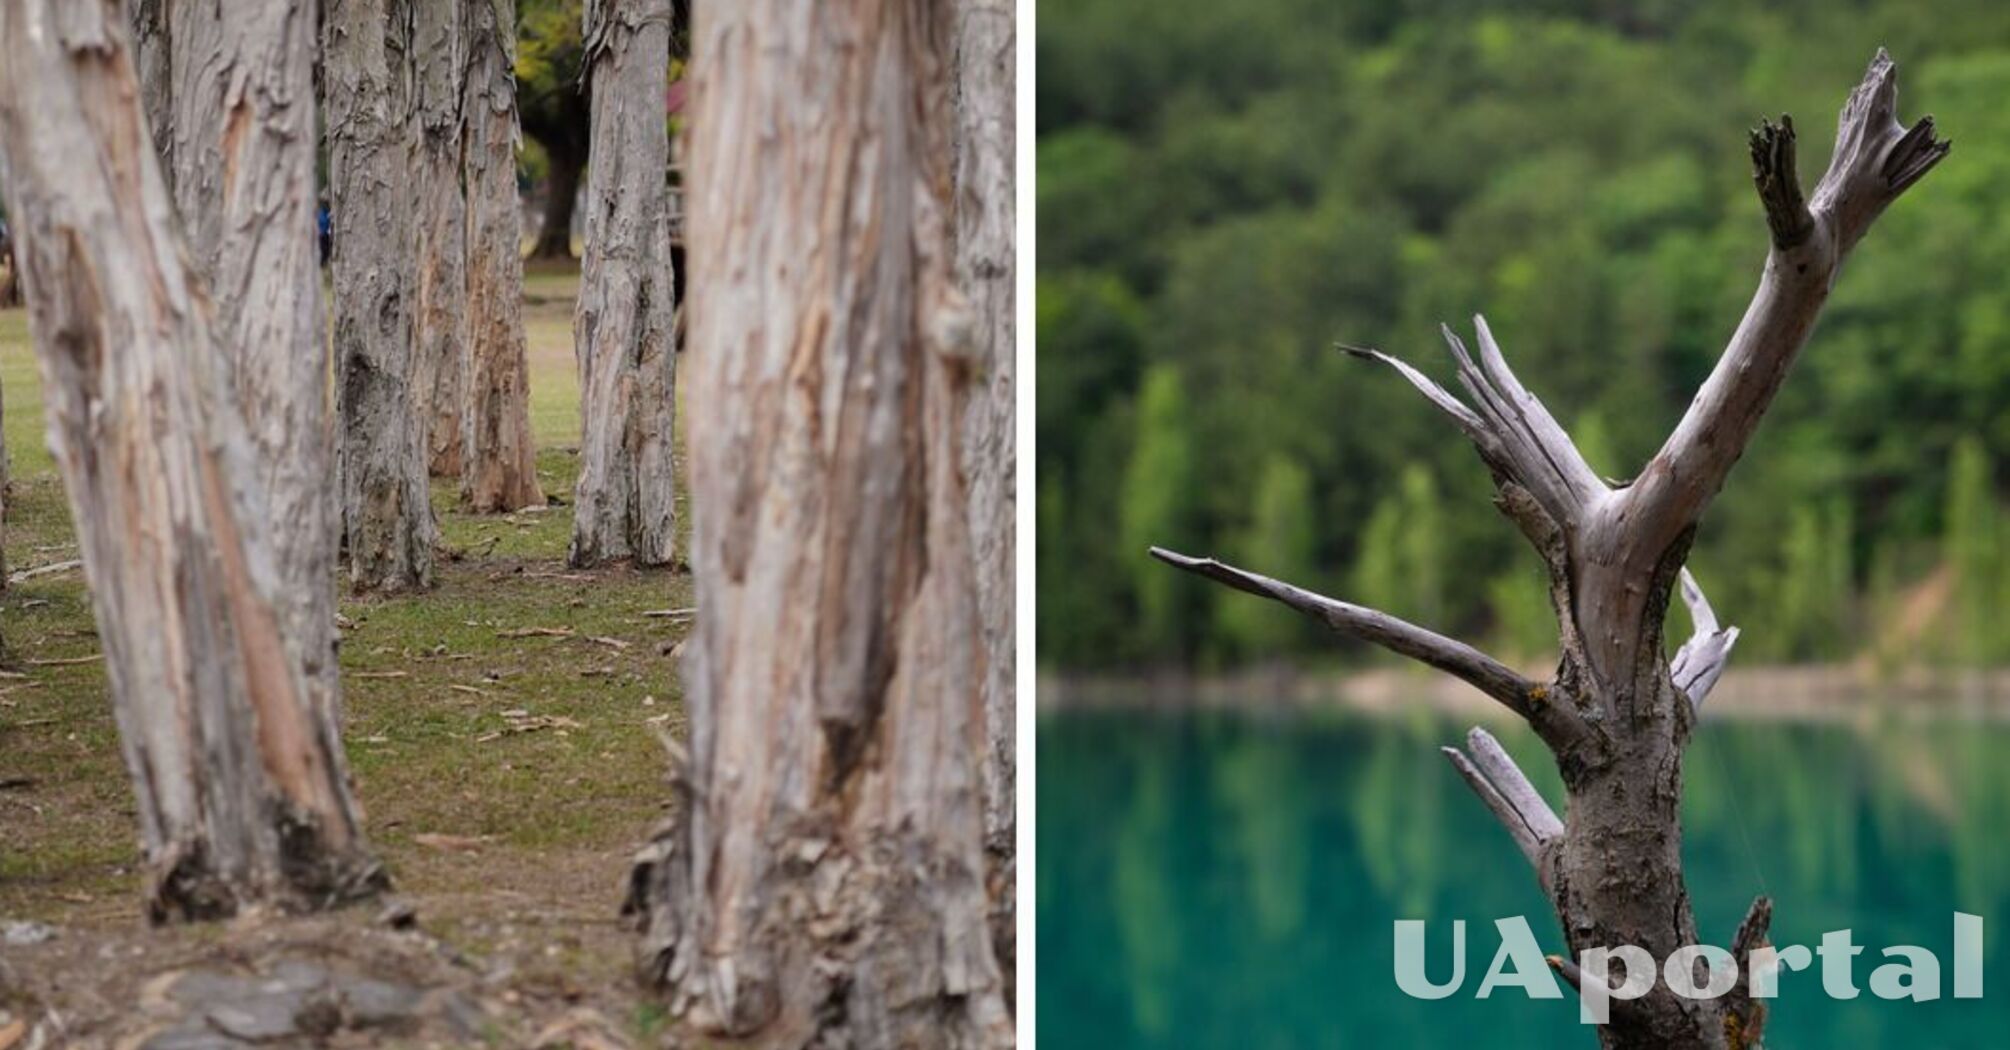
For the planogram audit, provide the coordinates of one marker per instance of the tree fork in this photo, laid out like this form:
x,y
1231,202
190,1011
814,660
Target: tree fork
x,y
1616,716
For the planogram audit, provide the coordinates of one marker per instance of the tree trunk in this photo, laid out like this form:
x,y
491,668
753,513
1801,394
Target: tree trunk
x,y
824,884
985,206
561,197
243,156
238,774
154,55
623,504
1617,717
440,322
499,462
386,505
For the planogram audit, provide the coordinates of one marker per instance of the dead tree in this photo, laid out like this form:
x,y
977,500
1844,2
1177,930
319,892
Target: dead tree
x,y
823,884
387,516
498,460
440,315
986,42
1617,715
623,504
238,775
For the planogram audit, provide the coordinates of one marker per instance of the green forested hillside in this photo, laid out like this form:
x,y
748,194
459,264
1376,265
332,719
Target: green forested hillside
x,y
1227,189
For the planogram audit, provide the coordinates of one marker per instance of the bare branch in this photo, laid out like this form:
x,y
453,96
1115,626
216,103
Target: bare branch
x,y
1516,436
1483,672
1875,160
1700,661
1513,784
1500,784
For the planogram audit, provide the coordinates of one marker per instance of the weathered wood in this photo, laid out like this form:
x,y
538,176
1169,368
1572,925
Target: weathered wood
x,y
1618,716
1700,661
986,50
1455,658
623,503
240,793
824,883
499,462
387,516
242,147
440,315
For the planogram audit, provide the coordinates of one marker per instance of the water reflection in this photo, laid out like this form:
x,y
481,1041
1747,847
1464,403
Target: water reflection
x,y
1210,880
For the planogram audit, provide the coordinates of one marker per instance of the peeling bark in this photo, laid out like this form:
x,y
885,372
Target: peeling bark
x,y
1616,717
499,464
241,798
823,884
387,514
986,42
242,147
623,504
440,320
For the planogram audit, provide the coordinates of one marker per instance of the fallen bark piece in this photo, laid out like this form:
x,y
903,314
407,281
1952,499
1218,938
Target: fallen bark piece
x,y
537,632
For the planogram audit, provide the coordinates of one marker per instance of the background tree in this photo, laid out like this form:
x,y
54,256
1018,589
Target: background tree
x,y
1228,190
440,316
499,462
623,502
824,881
387,515
238,773
1618,715
551,68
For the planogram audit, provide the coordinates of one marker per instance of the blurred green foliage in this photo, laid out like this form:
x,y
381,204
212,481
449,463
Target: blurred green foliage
x,y
1225,190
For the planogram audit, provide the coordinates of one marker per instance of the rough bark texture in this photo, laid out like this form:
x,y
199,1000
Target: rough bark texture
x,y
242,149
1617,717
623,504
499,463
439,58
985,99
154,55
824,883
241,797
387,515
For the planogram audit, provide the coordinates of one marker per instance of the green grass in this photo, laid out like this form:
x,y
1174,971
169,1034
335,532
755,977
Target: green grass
x,y
432,688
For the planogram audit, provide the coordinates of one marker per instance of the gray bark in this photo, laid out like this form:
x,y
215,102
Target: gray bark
x,y
386,506
241,798
623,504
499,463
1617,717
243,137
986,42
440,320
824,882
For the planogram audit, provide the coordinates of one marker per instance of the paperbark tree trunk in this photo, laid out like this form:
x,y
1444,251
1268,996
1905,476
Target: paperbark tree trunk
x,y
238,774
387,514
623,505
824,882
1617,717
986,42
243,156
499,461
440,322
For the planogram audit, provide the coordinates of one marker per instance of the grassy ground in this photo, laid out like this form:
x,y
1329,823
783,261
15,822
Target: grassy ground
x,y
535,753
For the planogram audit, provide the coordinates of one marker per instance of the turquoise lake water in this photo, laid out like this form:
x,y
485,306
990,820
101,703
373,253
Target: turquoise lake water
x,y
1217,880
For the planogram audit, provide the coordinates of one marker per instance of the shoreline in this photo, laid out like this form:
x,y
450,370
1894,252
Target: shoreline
x,y
1805,692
